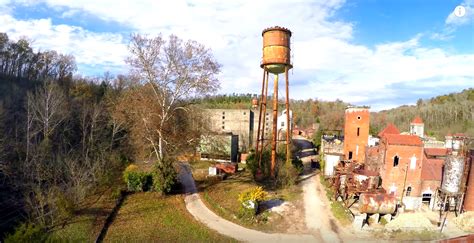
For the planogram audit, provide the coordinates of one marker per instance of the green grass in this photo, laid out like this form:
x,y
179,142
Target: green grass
x,y
340,212
222,198
146,217
87,222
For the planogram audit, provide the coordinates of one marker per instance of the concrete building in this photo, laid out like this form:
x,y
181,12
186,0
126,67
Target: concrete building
x,y
244,123
356,132
236,121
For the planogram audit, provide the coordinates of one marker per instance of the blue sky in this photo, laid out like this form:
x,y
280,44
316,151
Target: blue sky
x,y
367,52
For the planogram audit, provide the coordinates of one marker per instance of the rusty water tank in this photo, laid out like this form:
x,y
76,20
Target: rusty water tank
x,y
453,173
469,198
254,102
381,203
276,49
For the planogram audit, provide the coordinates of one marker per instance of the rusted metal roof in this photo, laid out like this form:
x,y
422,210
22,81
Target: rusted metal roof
x,y
389,129
417,120
432,169
276,28
436,151
398,139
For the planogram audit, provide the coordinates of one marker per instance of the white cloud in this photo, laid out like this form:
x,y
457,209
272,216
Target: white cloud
x,y
454,20
89,48
327,64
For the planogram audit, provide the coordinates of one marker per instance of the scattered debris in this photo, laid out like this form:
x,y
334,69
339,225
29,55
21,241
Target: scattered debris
x,y
359,221
410,222
465,221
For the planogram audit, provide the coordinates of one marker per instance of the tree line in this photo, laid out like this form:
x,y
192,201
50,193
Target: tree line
x,y
63,136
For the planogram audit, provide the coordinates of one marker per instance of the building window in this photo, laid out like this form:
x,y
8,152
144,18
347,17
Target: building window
x,y
358,131
223,113
223,117
413,163
350,154
282,124
408,191
223,127
223,123
396,159
245,113
426,198
358,118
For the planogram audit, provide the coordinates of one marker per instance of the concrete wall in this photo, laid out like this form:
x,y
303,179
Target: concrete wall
x,y
330,160
237,121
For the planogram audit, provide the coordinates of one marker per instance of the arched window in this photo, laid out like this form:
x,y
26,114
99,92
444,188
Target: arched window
x,y
395,161
408,191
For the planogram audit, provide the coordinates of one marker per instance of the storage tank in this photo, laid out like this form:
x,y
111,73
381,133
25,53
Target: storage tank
x,y
452,174
276,49
377,203
469,199
254,102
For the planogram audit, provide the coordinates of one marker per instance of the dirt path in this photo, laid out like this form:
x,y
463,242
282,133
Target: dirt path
x,y
317,211
197,208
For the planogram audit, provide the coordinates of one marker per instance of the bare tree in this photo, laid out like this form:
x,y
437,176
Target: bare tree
x,y
174,70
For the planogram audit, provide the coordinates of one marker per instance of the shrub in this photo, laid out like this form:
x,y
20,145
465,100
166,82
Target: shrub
x,y
256,194
137,181
287,175
27,233
164,176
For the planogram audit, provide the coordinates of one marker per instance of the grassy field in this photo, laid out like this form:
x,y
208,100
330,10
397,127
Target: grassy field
x,y
222,198
340,212
87,222
147,217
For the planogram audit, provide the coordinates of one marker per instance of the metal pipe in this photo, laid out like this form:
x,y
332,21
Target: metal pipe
x,y
274,130
260,116
404,184
288,125
263,112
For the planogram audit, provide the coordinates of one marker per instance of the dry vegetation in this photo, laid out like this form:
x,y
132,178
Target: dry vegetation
x,y
222,198
150,217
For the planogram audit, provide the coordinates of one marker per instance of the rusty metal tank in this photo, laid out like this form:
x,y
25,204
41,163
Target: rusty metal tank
x,y
254,102
381,203
453,173
469,198
276,49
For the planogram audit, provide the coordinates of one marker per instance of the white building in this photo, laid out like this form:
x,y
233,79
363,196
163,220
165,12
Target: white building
x,y
417,127
281,124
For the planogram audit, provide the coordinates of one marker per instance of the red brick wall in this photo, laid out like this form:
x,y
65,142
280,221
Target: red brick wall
x,y
469,198
356,118
395,175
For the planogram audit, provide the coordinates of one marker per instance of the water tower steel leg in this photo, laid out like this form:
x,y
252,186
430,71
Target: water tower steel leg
x,y
288,125
275,120
263,112
260,117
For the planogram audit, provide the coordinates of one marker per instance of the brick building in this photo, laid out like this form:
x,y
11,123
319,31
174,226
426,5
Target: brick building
x,y
356,132
407,169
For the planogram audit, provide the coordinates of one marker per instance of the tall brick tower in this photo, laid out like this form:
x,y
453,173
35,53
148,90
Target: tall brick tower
x,y
356,132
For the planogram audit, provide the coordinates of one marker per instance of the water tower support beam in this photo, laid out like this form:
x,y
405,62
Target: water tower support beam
x,y
288,125
260,115
263,112
275,121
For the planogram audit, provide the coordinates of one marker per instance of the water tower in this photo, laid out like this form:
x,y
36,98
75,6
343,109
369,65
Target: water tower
x,y
275,60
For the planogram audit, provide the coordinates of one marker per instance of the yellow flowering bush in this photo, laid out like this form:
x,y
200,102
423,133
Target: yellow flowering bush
x,y
256,194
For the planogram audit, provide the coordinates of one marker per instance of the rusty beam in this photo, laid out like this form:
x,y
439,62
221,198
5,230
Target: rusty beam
x,y
274,130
